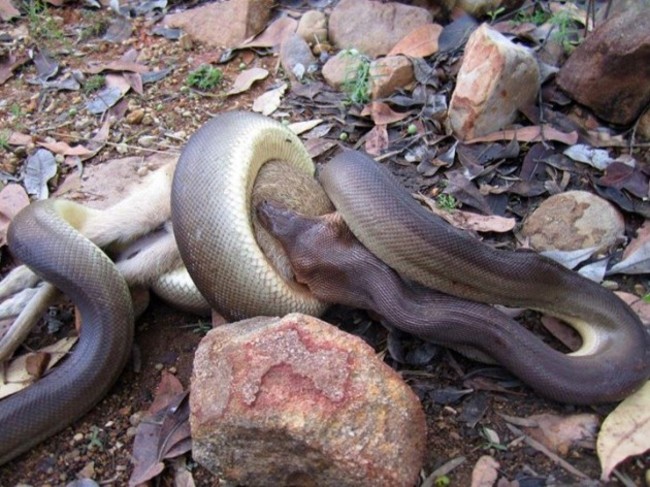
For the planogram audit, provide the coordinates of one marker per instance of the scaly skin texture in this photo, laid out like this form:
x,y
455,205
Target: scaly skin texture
x,y
211,208
81,270
327,258
211,204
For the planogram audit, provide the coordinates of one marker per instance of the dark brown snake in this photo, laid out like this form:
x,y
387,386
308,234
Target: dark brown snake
x,y
328,260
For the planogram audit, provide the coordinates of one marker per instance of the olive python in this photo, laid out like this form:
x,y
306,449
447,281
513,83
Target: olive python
x,y
399,251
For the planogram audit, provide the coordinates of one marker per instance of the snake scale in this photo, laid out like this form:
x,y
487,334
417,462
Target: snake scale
x,y
212,206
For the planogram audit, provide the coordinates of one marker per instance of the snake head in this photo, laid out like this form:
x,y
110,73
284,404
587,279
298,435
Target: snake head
x,y
325,255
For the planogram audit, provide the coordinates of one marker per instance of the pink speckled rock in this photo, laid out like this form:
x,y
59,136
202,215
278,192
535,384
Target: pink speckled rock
x,y
296,401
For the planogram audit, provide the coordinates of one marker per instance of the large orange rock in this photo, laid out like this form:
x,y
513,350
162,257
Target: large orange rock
x,y
496,78
373,27
296,401
223,24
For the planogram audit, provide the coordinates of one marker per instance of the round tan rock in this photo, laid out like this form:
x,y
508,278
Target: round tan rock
x,y
574,220
312,27
296,401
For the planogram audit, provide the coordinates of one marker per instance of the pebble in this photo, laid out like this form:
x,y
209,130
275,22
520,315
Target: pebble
x,y
611,285
135,117
147,140
135,418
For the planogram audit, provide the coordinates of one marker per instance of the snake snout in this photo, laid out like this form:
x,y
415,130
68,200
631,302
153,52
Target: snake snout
x,y
277,219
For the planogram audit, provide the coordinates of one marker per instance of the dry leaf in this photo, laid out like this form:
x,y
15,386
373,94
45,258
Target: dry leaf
x,y
165,433
118,66
246,78
382,114
302,127
469,221
17,378
10,63
636,258
534,133
317,147
16,138
39,169
65,149
598,158
625,432
421,42
376,140
559,433
13,198
269,102
570,258
485,472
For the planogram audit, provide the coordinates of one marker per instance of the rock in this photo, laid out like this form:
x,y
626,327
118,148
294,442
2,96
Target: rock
x,y
618,7
609,71
135,117
372,27
421,42
340,68
312,27
296,57
223,24
296,401
574,220
388,74
496,78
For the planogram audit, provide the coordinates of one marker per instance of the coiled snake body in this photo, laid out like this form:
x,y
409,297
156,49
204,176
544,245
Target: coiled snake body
x,y
211,214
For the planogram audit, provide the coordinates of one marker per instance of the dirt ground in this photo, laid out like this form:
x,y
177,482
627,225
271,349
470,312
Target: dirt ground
x,y
463,400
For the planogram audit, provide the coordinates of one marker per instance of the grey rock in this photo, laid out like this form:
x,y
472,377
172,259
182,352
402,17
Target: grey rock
x,y
296,57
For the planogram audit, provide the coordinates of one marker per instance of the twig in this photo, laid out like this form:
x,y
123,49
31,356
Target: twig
x,y
442,470
541,448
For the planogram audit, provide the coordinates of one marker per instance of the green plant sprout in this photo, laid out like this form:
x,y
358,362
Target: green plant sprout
x,y
357,81
205,77
41,24
493,14
94,83
4,140
447,202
